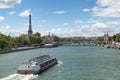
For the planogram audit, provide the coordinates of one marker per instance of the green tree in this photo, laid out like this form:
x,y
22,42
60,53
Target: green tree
x,y
23,39
3,43
113,37
44,39
100,39
117,39
56,39
37,37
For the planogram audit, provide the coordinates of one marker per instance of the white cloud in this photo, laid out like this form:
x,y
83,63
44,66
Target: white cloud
x,y
86,10
107,8
13,32
9,3
97,29
77,21
40,25
60,12
1,18
100,25
92,20
12,13
114,23
44,21
5,30
65,24
18,1
25,13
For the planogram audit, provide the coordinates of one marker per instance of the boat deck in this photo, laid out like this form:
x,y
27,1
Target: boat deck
x,y
38,60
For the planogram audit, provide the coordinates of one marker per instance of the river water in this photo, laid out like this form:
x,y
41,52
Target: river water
x,y
75,63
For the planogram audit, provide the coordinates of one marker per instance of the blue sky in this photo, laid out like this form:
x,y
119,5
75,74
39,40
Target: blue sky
x,y
65,18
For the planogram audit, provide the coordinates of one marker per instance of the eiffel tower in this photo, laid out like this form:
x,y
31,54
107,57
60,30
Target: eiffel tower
x,y
30,32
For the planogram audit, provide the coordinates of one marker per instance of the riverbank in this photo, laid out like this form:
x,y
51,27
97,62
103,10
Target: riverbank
x,y
17,49
35,46
113,45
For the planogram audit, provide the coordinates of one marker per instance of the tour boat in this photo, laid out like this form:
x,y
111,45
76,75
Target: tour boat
x,y
37,65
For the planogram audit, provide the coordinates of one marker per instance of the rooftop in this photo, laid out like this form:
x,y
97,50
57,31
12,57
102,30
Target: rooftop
x,y
38,60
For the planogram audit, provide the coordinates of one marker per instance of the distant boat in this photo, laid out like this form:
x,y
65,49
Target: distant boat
x,y
50,45
74,44
37,65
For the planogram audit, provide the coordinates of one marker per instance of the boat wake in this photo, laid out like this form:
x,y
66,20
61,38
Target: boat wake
x,y
20,77
59,63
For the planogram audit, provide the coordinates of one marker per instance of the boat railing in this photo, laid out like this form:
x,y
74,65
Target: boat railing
x,y
40,59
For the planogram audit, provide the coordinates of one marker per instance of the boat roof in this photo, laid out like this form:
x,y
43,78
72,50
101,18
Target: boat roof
x,y
37,60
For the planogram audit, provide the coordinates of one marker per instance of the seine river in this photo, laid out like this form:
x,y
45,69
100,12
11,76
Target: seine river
x,y
75,63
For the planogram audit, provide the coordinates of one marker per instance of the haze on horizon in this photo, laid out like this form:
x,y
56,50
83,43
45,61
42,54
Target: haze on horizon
x,y
65,18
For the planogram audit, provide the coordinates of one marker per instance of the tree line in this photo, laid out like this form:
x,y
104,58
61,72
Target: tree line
x,y
115,38
9,41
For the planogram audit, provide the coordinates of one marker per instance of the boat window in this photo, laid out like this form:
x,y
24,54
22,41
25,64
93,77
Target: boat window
x,y
28,66
47,63
50,61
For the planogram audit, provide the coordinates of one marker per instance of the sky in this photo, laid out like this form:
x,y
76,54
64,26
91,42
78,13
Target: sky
x,y
64,18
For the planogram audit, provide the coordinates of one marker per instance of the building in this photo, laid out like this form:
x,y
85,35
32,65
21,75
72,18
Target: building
x,y
50,37
106,37
30,32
